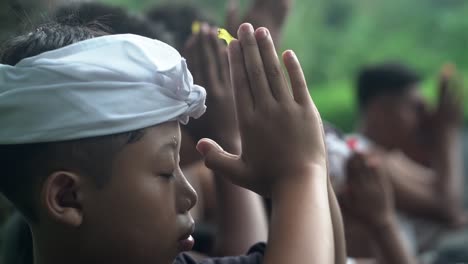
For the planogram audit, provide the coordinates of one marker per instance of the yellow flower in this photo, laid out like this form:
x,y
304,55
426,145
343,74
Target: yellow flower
x,y
196,25
224,34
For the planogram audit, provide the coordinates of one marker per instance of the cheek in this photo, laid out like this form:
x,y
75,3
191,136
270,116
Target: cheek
x,y
140,213
406,118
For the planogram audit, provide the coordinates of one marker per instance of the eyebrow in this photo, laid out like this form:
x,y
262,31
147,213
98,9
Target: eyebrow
x,y
171,144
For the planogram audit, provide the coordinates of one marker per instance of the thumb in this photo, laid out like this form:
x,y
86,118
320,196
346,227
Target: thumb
x,y
218,160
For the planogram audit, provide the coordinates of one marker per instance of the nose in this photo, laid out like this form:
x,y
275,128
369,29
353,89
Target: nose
x,y
186,196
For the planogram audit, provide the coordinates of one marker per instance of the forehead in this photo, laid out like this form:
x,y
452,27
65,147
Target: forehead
x,y
162,135
411,95
158,138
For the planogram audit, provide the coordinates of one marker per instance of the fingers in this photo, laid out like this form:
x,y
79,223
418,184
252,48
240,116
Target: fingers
x,y
296,77
221,56
254,64
240,81
209,57
192,55
219,160
274,73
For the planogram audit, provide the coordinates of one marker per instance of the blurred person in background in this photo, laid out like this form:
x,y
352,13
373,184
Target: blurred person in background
x,y
178,18
372,229
419,148
118,20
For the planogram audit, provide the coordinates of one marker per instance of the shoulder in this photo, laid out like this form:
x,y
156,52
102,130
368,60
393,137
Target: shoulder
x,y
254,256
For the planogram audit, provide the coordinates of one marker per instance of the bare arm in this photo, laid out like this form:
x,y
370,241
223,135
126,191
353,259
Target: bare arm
x,y
389,245
241,217
338,228
300,219
421,192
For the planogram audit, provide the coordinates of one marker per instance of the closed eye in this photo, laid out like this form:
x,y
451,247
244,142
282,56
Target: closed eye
x,y
167,175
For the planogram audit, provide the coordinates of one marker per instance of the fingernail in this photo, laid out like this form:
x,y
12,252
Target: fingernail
x,y
261,33
247,28
289,54
202,148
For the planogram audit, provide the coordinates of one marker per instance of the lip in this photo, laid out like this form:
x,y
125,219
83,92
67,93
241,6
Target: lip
x,y
188,232
186,241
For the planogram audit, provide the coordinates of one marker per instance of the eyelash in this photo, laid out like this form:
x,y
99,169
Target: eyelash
x,y
167,175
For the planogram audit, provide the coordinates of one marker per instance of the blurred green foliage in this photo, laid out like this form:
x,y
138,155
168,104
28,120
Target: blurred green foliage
x,y
334,38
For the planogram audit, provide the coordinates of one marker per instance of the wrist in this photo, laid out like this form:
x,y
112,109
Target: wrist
x,y
301,181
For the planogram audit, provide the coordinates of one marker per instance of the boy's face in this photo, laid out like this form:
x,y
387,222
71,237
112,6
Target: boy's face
x,y
142,214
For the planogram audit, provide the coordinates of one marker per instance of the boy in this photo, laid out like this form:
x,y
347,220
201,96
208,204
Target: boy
x,y
96,171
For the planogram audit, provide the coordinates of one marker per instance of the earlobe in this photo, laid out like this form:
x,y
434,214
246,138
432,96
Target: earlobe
x,y
61,196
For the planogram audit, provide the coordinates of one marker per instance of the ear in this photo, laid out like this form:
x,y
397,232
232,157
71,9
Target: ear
x,y
61,196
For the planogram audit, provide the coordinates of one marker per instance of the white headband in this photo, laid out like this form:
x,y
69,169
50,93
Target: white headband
x,y
96,87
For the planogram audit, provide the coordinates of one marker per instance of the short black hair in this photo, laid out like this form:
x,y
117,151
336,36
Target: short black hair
x,y
117,20
178,18
49,36
386,78
26,166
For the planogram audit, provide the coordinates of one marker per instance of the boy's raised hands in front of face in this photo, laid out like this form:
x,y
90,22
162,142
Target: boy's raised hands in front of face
x,y
283,150
281,130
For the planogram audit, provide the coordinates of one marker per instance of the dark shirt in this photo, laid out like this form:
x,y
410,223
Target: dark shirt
x,y
254,256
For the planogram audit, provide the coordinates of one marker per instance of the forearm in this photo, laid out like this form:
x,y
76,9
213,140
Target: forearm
x,y
389,244
338,228
448,165
301,229
421,200
418,190
241,217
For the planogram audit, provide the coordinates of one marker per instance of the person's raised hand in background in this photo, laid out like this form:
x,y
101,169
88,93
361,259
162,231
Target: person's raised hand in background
x,y
446,154
271,14
449,112
369,200
369,194
208,62
240,215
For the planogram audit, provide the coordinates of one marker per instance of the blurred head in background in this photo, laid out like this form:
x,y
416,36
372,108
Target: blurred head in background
x,y
118,20
16,15
392,109
178,19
